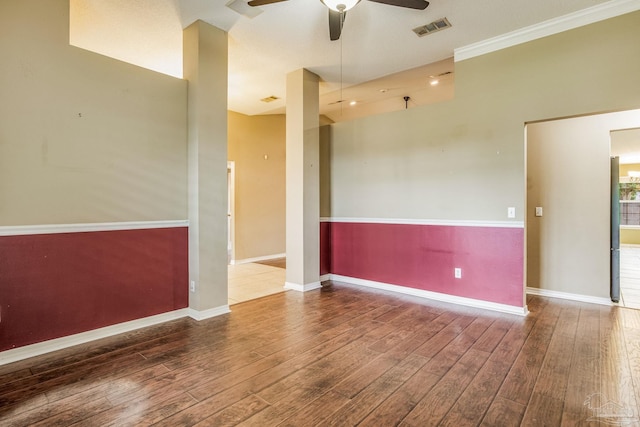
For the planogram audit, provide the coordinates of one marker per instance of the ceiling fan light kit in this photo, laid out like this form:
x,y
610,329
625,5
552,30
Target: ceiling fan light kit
x,y
340,5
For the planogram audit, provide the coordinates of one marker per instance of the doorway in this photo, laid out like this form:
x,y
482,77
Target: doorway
x,y
568,244
247,278
625,145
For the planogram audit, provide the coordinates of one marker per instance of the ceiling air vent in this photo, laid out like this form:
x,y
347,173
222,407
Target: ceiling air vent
x,y
440,24
244,9
270,99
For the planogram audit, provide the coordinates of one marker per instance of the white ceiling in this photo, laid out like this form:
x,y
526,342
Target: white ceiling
x,y
376,41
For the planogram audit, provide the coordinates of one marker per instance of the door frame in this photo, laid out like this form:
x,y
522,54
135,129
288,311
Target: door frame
x,y
231,215
614,288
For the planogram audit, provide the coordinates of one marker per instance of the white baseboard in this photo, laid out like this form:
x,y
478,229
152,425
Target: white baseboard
x,y
257,259
21,353
209,313
302,288
469,302
569,296
14,355
325,277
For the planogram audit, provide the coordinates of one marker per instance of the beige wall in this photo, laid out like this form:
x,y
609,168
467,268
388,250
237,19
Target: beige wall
x,y
465,159
83,138
624,169
568,175
259,184
629,236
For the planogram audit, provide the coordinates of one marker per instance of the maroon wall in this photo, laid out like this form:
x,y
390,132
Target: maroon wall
x,y
53,285
424,257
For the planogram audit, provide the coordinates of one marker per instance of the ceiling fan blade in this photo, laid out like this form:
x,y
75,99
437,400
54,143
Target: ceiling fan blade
x,y
336,20
263,2
411,4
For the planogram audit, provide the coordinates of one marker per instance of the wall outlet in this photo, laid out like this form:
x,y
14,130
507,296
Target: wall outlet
x,y
192,286
457,273
538,210
511,212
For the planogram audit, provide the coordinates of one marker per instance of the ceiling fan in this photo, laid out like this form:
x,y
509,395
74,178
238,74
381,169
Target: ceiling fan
x,y
338,10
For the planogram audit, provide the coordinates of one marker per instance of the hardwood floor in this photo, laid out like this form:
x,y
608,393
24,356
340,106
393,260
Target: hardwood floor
x,y
342,356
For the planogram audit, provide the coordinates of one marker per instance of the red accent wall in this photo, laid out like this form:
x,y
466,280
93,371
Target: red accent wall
x,y
54,285
424,257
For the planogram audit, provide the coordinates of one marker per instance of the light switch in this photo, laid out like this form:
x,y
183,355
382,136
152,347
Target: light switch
x,y
511,212
538,210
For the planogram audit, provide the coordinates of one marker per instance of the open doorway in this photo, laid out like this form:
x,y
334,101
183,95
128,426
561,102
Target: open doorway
x,y
568,227
257,150
248,278
625,145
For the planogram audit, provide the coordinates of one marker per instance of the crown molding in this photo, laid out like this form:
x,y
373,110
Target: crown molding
x,y
553,26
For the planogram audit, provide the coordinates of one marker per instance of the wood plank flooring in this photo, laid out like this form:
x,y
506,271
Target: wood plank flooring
x,y
343,356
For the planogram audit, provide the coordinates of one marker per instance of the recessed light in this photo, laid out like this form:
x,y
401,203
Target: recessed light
x,y
383,90
353,103
434,82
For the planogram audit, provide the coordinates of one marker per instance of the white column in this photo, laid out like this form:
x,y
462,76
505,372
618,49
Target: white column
x,y
205,67
303,181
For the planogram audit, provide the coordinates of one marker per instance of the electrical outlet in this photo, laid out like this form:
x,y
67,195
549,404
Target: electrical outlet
x,y
192,286
511,212
457,273
538,210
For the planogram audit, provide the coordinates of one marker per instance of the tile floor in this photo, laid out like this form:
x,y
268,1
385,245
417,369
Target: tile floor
x,y
630,276
251,281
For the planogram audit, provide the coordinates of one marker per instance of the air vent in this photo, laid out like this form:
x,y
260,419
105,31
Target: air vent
x,y
440,24
244,9
270,99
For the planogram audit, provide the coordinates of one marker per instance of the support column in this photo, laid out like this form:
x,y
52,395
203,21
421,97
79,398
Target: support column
x,y
303,181
205,67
